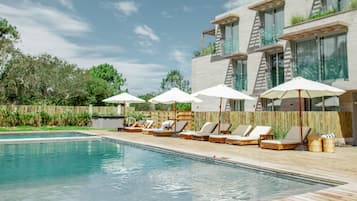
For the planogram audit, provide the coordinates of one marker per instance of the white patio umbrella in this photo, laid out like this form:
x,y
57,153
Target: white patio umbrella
x,y
301,88
174,96
123,98
222,91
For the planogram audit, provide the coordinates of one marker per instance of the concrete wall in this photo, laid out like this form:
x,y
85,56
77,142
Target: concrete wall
x,y
207,73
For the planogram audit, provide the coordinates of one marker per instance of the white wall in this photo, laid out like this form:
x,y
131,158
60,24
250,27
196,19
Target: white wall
x,y
207,74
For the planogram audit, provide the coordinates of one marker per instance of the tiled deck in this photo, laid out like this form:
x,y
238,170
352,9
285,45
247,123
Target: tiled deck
x,y
340,166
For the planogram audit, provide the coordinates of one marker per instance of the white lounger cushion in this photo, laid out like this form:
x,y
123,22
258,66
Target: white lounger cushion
x,y
241,130
254,135
208,127
292,137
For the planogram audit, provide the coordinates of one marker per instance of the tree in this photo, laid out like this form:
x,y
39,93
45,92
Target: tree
x,y
8,36
7,31
173,79
108,73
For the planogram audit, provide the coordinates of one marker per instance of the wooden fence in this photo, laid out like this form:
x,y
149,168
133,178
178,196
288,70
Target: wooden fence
x,y
339,123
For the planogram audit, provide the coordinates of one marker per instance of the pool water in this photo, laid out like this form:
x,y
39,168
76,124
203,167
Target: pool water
x,y
102,170
41,135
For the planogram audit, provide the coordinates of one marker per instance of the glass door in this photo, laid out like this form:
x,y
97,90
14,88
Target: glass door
x,y
276,69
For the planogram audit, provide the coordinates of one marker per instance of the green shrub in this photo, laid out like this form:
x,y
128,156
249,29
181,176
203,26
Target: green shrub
x,y
296,19
279,133
353,4
14,118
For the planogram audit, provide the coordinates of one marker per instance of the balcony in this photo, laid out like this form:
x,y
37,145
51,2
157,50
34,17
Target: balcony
x,y
230,49
230,46
313,28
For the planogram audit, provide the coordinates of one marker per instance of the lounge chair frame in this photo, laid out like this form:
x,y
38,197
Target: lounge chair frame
x,y
284,146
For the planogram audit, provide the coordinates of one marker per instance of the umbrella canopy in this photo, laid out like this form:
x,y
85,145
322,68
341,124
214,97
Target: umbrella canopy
x,y
301,88
174,95
308,88
123,98
222,91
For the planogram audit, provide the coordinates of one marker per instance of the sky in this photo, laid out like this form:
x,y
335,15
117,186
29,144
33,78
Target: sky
x,y
142,39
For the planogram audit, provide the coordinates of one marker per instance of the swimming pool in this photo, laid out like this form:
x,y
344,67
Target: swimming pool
x,y
103,170
42,135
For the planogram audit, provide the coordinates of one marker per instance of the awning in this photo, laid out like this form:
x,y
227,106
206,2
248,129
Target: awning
x,y
211,32
225,19
238,55
316,30
266,5
271,48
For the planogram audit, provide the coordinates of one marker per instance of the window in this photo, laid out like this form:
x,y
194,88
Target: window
x,y
324,58
240,75
273,25
307,63
334,5
230,38
237,105
334,57
276,64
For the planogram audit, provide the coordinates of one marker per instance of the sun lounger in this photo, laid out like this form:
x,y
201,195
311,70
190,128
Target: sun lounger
x,y
208,127
241,130
166,125
224,128
180,125
252,138
136,127
291,140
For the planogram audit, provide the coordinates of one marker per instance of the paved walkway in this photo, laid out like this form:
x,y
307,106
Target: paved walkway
x,y
340,166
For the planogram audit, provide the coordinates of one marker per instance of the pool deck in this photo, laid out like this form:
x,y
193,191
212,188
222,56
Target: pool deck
x,y
339,166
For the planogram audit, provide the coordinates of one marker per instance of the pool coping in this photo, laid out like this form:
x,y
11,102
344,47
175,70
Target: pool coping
x,y
232,163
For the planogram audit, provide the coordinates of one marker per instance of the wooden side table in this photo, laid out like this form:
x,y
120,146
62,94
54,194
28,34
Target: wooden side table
x,y
265,137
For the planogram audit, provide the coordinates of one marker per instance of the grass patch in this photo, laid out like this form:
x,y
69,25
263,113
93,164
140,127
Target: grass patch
x,y
43,128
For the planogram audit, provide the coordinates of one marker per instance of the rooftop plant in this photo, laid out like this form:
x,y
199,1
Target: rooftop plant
x,y
296,19
210,49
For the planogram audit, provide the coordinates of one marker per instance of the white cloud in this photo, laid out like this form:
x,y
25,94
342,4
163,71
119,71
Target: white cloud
x,y
186,9
42,31
231,4
67,4
55,20
146,32
127,7
179,56
166,14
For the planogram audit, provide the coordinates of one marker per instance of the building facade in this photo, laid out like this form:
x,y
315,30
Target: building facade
x,y
269,42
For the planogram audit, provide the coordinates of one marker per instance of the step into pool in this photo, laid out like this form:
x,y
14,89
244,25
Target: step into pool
x,y
105,170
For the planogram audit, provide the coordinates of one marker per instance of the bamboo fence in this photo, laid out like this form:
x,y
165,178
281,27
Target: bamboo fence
x,y
339,123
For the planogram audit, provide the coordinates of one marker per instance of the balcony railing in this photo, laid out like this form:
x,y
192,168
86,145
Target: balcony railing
x,y
270,37
230,46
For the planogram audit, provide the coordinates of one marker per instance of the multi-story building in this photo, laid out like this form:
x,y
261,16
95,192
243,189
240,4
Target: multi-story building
x,y
268,42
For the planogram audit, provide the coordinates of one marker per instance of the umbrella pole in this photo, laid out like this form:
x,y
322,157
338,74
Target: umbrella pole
x,y
124,113
219,115
300,115
175,116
